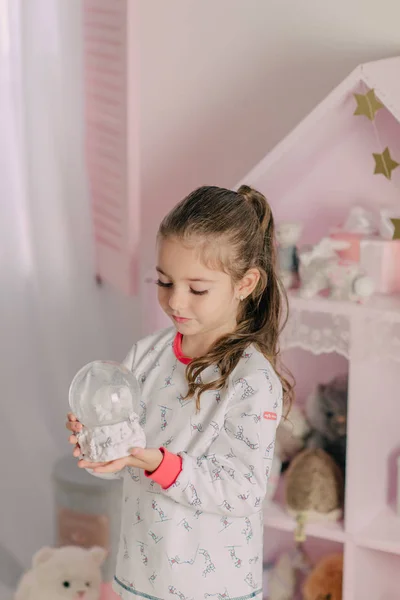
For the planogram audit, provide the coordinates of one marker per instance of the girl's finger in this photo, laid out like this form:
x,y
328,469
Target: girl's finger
x,y
85,464
74,425
112,467
71,417
105,469
73,439
76,451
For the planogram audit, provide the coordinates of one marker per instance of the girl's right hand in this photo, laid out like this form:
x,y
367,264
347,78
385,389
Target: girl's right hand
x,y
75,426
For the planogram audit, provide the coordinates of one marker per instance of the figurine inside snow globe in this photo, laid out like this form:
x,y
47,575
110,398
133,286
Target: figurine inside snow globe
x,y
102,395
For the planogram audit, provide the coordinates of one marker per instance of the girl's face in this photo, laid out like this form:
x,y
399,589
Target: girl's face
x,y
198,299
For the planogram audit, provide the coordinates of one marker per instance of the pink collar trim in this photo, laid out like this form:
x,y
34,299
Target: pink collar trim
x,y
177,347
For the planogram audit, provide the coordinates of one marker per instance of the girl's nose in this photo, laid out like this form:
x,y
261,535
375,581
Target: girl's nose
x,y
81,593
176,300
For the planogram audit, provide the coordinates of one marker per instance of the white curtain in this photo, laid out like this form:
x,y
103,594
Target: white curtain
x,y
53,318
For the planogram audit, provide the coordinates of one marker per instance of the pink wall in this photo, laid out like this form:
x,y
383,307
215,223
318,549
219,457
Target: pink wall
x,y
222,82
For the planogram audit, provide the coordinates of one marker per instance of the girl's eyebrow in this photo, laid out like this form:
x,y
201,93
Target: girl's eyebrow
x,y
191,280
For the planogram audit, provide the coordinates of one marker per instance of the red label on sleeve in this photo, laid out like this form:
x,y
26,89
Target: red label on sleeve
x,y
270,416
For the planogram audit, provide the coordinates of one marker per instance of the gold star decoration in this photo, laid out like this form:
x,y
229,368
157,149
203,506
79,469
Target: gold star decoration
x,y
367,105
384,164
396,232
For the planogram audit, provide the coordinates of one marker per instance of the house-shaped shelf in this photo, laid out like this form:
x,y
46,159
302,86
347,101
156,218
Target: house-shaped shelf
x,y
326,163
315,175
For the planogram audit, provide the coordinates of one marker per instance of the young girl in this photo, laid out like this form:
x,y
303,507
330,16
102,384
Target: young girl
x,y
192,520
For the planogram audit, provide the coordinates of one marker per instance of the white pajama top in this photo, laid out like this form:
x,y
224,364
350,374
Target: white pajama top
x,y
202,538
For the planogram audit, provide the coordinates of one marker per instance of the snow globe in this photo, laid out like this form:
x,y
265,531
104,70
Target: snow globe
x,y
102,395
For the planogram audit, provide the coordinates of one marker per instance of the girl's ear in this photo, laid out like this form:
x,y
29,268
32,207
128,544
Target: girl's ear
x,y
248,284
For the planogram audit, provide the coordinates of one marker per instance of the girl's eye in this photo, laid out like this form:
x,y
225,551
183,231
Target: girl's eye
x,y
162,284
169,285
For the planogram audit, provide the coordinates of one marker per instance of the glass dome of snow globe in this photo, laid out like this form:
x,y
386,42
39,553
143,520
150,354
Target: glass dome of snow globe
x,y
102,396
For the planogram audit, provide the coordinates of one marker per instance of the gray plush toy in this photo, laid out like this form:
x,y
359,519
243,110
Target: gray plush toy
x,y
326,412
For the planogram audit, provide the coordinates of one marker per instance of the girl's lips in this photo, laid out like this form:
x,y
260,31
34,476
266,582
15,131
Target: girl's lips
x,y
180,319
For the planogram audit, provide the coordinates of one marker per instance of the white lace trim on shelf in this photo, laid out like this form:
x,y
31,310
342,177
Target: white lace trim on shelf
x,y
317,332
320,331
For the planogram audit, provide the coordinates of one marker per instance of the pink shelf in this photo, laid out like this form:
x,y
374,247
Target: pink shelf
x,y
383,533
376,575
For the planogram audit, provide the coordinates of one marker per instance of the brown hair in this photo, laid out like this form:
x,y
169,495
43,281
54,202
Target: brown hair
x,y
240,222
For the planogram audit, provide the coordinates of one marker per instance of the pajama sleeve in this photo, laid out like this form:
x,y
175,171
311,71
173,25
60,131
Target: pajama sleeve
x,y
127,362
231,478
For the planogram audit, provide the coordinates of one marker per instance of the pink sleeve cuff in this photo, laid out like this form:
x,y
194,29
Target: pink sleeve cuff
x,y
168,471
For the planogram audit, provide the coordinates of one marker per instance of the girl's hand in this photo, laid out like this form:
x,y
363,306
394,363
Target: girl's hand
x,y
148,459
75,426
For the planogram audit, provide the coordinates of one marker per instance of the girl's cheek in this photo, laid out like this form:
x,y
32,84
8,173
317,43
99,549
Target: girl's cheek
x,y
163,297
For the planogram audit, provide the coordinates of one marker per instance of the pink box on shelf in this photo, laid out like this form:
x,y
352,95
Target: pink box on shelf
x,y
381,261
351,253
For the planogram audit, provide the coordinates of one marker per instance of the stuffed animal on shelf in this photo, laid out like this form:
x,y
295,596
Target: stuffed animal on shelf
x,y
321,270
291,437
281,579
286,576
326,579
314,487
326,412
348,281
66,573
288,235
314,262
291,434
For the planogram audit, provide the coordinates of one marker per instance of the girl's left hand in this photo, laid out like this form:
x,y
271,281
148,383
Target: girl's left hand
x,y
148,459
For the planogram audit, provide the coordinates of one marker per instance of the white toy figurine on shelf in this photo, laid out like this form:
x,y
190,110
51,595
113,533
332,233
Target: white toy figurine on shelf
x,y
320,269
348,282
102,396
288,235
314,264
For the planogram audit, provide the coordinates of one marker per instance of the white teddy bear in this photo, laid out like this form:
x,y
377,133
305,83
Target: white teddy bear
x,y
67,573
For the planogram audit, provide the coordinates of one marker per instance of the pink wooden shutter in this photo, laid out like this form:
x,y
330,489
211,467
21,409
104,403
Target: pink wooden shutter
x,y
111,80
